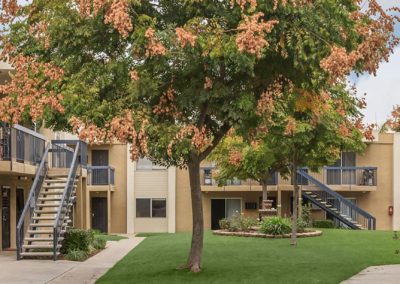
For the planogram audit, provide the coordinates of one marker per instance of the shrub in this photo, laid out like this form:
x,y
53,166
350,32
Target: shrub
x,y
301,225
276,226
76,255
306,214
323,224
77,240
224,224
247,223
237,223
99,243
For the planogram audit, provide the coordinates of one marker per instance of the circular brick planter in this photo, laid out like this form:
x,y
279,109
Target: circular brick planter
x,y
256,234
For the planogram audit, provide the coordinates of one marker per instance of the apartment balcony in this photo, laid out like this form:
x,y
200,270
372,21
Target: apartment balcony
x,y
337,178
101,178
20,149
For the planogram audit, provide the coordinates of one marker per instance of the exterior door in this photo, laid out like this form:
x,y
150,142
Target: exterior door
x,y
99,214
100,158
20,203
5,218
223,208
217,212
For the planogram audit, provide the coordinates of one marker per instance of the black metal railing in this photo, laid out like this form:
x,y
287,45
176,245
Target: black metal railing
x,y
21,144
31,201
65,202
336,205
101,175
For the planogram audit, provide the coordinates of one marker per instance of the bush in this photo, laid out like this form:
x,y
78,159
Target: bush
x,y
76,255
224,224
237,223
323,224
99,243
77,240
306,214
301,225
276,226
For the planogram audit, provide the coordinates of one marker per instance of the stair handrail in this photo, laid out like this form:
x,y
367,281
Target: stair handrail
x,y
65,197
330,191
32,199
338,196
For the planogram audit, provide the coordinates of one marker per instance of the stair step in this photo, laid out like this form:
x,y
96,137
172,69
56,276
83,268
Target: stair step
x,y
50,253
309,192
39,225
48,205
49,198
48,211
39,246
42,232
41,239
323,202
51,193
44,218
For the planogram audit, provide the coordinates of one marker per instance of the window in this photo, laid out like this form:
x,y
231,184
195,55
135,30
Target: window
x,y
145,164
159,208
208,180
151,208
143,208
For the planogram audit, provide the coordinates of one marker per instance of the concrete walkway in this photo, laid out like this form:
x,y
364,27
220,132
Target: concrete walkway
x,y
62,271
385,274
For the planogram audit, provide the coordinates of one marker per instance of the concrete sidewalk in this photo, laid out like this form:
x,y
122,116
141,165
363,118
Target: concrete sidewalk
x,y
385,274
62,271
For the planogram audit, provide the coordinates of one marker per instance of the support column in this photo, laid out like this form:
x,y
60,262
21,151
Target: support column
x,y
279,200
130,193
88,222
109,211
171,201
396,182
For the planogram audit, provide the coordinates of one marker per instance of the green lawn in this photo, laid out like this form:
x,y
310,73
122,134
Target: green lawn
x,y
331,258
109,237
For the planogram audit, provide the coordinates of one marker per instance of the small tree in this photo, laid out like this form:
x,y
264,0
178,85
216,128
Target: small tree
x,y
172,77
236,158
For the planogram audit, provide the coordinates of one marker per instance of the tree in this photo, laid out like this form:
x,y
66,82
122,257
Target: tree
x,y
302,130
237,158
172,77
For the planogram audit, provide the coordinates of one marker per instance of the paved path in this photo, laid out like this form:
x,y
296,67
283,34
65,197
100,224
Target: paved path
x,y
385,274
62,271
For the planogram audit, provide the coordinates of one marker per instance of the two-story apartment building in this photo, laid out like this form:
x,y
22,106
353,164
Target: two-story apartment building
x,y
100,187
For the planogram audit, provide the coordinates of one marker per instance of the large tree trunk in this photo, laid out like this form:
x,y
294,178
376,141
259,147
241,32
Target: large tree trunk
x,y
293,239
196,250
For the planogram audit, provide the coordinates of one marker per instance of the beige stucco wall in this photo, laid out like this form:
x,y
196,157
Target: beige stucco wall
x,y
375,201
13,182
117,159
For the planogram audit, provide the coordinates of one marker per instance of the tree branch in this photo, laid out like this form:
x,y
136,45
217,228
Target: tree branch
x,y
217,138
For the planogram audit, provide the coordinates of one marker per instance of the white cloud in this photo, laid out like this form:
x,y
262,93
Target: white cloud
x,y
383,91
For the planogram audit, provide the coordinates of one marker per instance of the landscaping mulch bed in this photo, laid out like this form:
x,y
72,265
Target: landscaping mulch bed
x,y
256,234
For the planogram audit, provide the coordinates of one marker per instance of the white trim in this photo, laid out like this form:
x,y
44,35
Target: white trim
x,y
396,181
171,202
130,193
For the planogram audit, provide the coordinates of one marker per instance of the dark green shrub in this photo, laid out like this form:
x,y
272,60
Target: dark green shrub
x,y
275,226
77,240
99,243
323,224
224,224
76,255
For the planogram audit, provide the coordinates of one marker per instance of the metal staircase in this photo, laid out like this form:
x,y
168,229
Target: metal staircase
x,y
332,202
47,212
